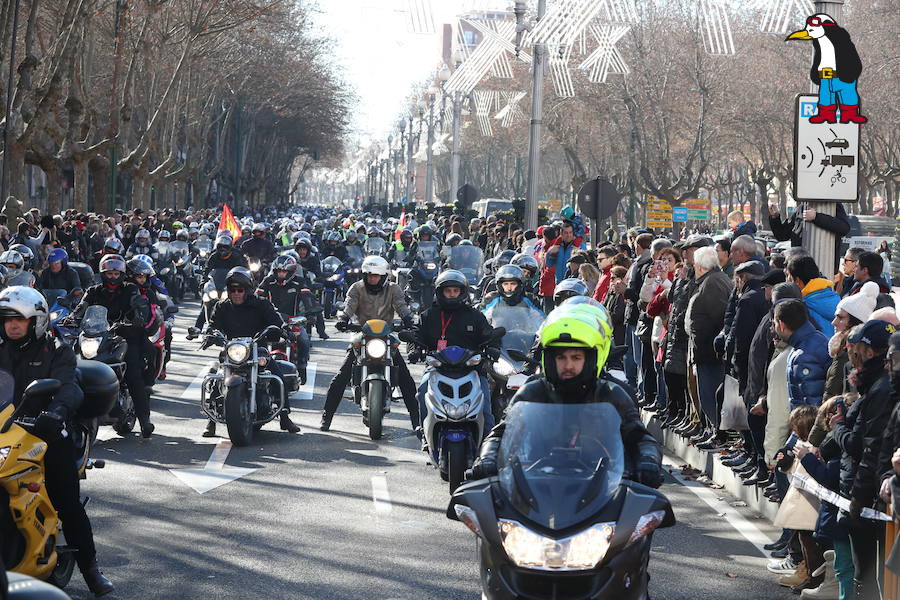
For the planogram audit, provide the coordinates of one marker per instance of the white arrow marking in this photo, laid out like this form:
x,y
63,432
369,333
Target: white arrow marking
x,y
214,474
380,495
306,390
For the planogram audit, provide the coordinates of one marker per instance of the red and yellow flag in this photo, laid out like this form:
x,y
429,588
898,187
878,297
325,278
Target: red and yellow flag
x,y
400,224
230,223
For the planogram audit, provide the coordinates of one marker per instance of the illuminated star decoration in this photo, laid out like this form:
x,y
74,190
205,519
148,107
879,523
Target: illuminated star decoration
x,y
606,58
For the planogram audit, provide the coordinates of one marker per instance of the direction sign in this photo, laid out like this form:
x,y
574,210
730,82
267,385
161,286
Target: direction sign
x,y
659,224
680,214
826,156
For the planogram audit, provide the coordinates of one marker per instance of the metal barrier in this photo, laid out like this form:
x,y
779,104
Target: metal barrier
x,y
891,580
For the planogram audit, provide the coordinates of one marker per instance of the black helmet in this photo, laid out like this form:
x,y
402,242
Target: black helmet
x,y
504,258
406,235
303,243
423,230
510,273
112,262
284,263
224,244
240,276
526,262
453,239
451,278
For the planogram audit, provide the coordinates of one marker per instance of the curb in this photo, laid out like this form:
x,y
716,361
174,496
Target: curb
x,y
709,464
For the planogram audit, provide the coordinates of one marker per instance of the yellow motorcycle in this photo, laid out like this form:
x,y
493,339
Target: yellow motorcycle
x,y
31,539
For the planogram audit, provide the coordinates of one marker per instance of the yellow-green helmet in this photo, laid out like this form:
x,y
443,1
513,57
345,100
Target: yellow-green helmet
x,y
578,323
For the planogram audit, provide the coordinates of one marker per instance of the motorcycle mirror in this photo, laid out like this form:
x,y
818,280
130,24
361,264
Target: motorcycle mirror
x,y
518,355
272,333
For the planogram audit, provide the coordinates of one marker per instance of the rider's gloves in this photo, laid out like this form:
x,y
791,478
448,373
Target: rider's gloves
x,y
341,326
193,332
408,322
492,352
49,425
649,473
483,468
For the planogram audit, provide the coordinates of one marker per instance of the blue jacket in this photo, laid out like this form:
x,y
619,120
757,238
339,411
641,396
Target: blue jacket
x,y
560,259
828,475
807,366
821,300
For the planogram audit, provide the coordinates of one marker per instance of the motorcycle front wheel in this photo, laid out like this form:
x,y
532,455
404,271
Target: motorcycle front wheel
x,y
237,416
62,572
456,464
376,409
124,425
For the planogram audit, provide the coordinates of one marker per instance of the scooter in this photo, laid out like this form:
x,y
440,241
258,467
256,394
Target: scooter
x,y
559,520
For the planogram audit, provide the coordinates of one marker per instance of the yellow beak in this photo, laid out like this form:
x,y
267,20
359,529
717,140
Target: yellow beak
x,y
799,35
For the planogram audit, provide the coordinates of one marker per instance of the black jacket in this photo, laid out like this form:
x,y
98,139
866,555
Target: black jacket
x,y
312,264
792,228
244,320
260,248
67,279
762,346
751,308
122,304
633,289
864,422
285,297
43,359
215,261
676,336
615,306
639,443
467,328
876,460
707,314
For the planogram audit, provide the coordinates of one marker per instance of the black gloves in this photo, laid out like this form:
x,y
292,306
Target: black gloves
x,y
649,473
408,322
483,468
492,352
416,356
49,425
341,326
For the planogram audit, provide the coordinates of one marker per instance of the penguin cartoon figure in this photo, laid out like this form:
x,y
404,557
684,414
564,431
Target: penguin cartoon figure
x,y
835,68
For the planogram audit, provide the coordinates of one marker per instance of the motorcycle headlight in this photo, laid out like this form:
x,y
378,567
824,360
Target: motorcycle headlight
x,y
4,452
473,361
203,253
534,551
334,277
54,315
213,295
89,347
456,413
376,348
237,352
254,267
503,367
431,266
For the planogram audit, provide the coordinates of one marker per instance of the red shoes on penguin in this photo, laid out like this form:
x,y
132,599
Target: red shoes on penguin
x,y
850,114
828,114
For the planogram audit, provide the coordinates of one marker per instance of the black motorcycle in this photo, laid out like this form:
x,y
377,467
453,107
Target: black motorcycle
x,y
559,520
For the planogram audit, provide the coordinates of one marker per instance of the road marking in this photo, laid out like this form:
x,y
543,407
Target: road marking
x,y
380,495
306,390
193,390
214,474
747,529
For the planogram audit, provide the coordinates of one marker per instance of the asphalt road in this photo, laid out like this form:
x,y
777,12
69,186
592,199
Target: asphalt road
x,y
330,515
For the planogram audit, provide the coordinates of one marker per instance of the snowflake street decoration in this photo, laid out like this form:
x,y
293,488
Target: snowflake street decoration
x,y
484,102
497,41
421,20
559,71
565,20
511,111
606,58
715,27
779,16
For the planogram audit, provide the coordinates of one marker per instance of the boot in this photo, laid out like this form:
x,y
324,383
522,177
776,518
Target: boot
x,y
326,421
796,578
96,582
210,430
850,114
301,375
147,429
829,588
827,114
287,424
810,583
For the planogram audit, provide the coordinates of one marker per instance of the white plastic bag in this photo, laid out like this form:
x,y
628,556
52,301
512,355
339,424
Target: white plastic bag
x,y
734,412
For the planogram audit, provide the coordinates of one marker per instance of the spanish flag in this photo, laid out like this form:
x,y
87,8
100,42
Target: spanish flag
x,y
400,224
230,223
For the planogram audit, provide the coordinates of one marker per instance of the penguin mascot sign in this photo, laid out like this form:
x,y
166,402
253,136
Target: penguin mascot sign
x,y
835,69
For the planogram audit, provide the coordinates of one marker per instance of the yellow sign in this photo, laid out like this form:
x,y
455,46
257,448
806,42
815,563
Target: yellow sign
x,y
659,224
662,215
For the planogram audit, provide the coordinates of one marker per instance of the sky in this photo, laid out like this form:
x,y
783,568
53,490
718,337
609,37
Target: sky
x,y
380,55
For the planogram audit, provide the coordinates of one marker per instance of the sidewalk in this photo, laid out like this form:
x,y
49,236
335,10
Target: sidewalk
x,y
709,465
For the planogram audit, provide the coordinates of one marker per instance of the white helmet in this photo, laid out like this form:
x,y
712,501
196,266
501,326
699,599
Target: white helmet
x,y
375,265
142,234
26,302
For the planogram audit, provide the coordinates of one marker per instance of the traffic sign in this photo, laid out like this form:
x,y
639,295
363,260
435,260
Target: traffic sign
x,y
680,214
598,199
826,156
659,223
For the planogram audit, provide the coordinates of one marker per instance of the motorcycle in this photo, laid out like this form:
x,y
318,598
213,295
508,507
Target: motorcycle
x,y
61,304
375,247
423,273
30,529
373,376
334,274
213,290
238,392
559,520
507,374
453,424
181,262
167,270
204,248
96,341
258,269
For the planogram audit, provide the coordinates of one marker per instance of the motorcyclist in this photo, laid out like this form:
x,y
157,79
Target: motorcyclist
x,y
243,314
568,288
352,239
123,302
259,246
452,322
15,269
28,353
574,350
282,289
59,275
400,249
142,245
332,246
510,288
141,274
488,283
27,256
226,256
530,267
423,234
112,245
372,297
312,266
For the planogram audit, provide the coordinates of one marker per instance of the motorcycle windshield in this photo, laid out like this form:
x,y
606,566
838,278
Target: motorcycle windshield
x,y
165,250
375,246
95,322
180,249
354,256
468,260
427,252
522,318
53,295
330,265
204,245
560,463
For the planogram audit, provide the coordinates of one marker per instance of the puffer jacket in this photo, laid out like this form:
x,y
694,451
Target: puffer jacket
x,y
807,366
384,305
821,300
751,308
875,465
676,341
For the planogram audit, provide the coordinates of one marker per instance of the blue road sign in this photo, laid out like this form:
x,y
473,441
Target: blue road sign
x,y
679,214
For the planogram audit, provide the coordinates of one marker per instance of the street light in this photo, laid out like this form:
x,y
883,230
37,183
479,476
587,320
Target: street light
x,y
537,105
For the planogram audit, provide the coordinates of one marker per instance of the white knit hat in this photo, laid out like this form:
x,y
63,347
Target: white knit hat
x,y
862,303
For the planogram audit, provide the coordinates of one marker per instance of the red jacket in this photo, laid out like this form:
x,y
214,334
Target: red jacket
x,y
603,284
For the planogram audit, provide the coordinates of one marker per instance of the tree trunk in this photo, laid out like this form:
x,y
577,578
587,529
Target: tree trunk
x,y
100,173
80,167
54,190
15,172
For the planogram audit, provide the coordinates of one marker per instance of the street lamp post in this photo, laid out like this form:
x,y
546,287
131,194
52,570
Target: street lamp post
x,y
537,108
429,152
410,175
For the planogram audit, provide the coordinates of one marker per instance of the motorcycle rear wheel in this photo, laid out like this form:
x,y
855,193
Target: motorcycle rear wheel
x,y
124,425
62,572
237,416
456,464
376,410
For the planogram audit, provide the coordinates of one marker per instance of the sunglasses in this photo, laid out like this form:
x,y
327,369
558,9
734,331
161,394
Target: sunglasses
x,y
236,290
818,22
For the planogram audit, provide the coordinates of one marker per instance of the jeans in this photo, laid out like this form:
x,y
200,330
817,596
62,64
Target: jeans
x,y
865,536
342,379
485,406
843,568
834,91
709,378
632,357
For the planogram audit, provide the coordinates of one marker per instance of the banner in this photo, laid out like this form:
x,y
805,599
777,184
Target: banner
x,y
807,484
230,223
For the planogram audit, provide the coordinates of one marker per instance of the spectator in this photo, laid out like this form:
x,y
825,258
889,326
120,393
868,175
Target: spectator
x,y
589,274
820,298
704,319
850,312
738,226
723,249
843,279
651,387
743,249
809,360
791,229
658,308
560,252
869,267
605,258
884,251
636,276
615,303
